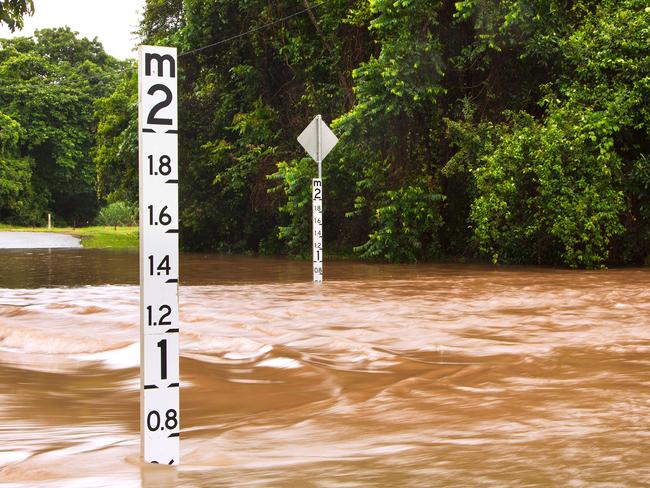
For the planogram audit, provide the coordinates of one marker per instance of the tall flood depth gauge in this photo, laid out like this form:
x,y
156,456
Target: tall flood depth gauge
x,y
158,153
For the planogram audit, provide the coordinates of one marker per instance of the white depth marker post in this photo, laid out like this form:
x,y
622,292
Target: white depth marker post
x,y
159,326
317,227
318,140
317,207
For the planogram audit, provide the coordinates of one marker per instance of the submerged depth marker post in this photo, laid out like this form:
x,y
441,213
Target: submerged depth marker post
x,y
318,140
158,153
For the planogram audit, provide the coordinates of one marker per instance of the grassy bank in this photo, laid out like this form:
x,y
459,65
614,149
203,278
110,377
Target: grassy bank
x,y
91,237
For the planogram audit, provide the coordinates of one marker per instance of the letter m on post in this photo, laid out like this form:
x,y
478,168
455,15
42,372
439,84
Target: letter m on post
x,y
160,60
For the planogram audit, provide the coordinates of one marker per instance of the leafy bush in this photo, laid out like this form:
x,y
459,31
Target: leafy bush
x,y
559,189
405,225
118,213
549,191
294,180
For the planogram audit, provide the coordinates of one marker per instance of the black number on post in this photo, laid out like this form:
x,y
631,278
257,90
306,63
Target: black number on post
x,y
163,218
163,267
156,416
168,311
171,420
154,421
317,192
151,118
162,344
163,308
164,167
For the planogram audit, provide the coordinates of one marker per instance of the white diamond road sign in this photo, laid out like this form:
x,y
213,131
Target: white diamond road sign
x,y
317,139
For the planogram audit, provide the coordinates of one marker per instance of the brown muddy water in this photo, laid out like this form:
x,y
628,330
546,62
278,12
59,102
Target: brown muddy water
x,y
431,375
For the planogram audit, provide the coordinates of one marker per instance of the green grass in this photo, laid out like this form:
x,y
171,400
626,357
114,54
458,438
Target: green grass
x,y
91,237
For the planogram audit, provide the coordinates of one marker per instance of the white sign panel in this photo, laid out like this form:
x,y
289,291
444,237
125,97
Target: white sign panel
x,y
317,139
317,229
159,325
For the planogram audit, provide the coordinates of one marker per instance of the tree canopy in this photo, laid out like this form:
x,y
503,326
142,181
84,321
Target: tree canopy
x,y
13,11
48,85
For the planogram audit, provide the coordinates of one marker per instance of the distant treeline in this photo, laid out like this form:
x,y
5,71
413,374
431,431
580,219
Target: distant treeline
x,y
516,131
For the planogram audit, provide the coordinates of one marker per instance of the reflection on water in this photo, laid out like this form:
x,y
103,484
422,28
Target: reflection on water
x,y
39,268
434,375
37,240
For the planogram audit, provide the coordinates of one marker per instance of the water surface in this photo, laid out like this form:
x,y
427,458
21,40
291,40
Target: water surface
x,y
37,240
430,375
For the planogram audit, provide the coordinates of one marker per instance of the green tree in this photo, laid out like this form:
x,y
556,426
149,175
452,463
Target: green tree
x,y
559,189
115,151
18,202
13,11
244,102
514,130
386,148
48,84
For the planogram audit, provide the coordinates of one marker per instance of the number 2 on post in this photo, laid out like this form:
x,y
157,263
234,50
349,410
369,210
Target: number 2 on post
x,y
152,119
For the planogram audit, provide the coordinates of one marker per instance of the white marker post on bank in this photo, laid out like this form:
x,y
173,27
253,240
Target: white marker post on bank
x,y
159,326
318,140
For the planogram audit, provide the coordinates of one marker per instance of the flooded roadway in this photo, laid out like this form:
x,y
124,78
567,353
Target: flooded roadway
x,y
429,375
37,240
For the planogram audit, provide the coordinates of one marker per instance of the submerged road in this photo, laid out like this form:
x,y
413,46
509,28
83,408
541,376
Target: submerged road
x,y
386,375
37,240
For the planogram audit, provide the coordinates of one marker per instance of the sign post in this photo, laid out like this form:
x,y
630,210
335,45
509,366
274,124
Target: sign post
x,y
159,326
318,140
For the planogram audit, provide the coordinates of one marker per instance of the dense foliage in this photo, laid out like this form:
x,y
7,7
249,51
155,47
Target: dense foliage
x,y
516,131
16,195
48,85
13,11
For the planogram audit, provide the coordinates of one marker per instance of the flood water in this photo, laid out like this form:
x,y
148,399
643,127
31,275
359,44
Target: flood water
x,y
429,375
37,240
